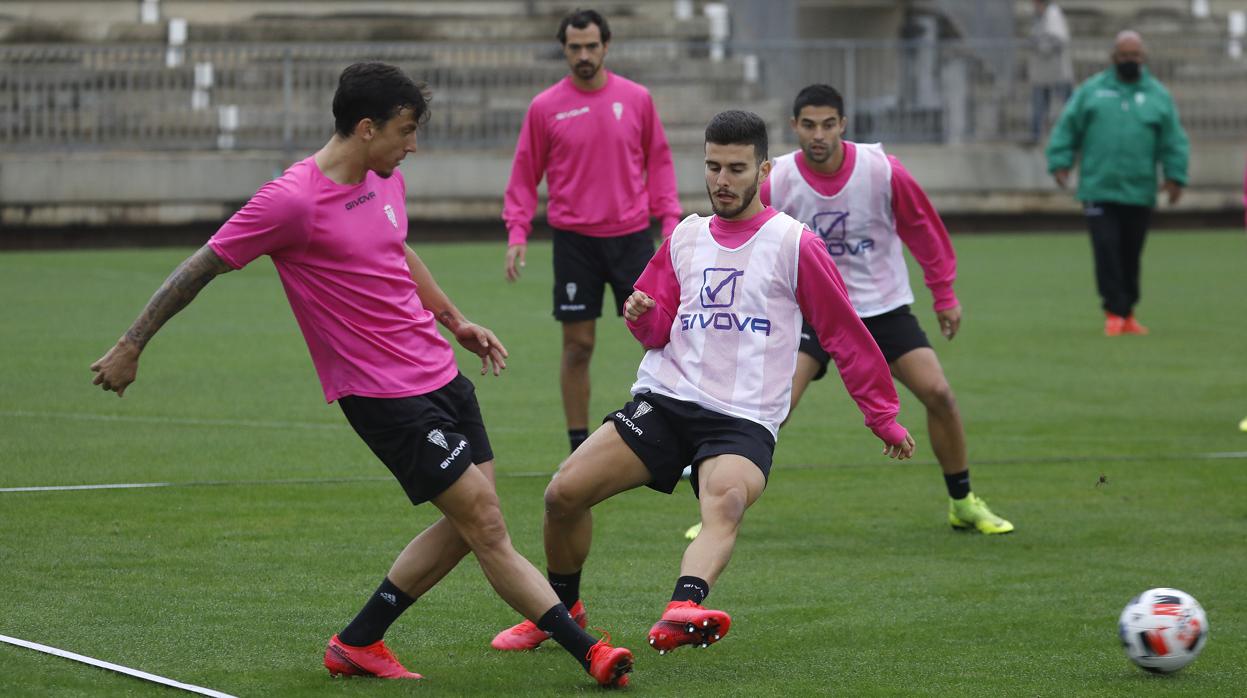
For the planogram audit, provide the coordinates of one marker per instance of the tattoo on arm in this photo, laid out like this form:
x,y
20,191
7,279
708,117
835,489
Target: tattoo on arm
x,y
176,293
447,319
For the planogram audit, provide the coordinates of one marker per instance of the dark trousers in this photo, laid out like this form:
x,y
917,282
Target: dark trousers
x,y
1118,232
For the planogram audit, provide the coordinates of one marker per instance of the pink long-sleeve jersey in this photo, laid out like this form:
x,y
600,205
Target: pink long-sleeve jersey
x,y
914,220
820,295
605,158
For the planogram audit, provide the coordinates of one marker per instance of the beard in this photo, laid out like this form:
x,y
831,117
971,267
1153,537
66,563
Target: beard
x,y
586,70
727,211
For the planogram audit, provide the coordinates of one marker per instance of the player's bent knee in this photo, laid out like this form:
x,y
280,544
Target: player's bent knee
x,y
940,398
486,531
561,501
477,515
726,504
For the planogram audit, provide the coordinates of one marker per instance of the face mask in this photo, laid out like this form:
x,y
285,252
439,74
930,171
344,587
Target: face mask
x,y
1128,70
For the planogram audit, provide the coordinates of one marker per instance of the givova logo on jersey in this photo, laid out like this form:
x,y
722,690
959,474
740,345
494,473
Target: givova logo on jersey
x,y
718,290
833,228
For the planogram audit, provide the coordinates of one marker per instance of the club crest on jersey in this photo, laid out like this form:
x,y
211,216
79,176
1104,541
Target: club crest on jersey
x,y
617,107
389,213
833,228
437,437
718,288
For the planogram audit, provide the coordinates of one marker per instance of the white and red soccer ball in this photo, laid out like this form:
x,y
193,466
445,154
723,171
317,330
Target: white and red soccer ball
x,y
1163,630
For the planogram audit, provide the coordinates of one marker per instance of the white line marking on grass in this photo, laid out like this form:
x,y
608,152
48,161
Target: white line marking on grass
x,y
202,483
1224,455
118,486
115,667
184,421
1227,454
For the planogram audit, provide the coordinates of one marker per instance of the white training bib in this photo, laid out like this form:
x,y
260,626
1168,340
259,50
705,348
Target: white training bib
x,y
856,224
734,338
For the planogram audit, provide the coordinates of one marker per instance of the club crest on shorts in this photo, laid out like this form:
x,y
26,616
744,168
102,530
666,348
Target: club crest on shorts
x,y
571,291
389,213
642,409
437,437
617,107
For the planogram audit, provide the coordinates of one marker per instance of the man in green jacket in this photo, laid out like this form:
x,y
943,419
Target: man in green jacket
x,y
1120,124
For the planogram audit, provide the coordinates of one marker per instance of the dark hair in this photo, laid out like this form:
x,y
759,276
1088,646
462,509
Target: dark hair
x,y
736,127
376,91
581,19
818,96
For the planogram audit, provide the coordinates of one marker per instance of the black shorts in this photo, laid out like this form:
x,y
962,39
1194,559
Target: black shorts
x,y
428,440
668,434
583,266
896,332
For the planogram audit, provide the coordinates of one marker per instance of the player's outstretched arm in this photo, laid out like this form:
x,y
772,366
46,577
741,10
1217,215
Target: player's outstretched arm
x,y
118,368
475,338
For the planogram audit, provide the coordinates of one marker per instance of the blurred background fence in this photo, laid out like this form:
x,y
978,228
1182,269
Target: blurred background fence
x,y
276,96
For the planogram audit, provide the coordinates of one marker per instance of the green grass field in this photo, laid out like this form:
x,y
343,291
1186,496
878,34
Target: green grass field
x,y
846,579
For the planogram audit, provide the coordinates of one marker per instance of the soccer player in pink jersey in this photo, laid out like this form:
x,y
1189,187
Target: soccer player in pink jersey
x,y
335,226
596,138
865,205
718,310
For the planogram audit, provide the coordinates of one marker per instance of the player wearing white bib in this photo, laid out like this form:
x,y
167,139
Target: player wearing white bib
x,y
865,206
718,309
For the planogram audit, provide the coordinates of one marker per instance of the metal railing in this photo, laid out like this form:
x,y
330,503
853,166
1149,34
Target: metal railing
x,y
277,96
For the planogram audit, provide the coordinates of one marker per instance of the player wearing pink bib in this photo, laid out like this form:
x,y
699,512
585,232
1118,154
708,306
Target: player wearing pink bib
x,y
865,206
718,310
596,138
335,226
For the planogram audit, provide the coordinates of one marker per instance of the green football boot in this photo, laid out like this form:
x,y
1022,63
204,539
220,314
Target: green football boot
x,y
972,512
692,531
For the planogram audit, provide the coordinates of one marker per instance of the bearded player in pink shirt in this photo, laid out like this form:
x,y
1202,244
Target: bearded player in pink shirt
x,y
335,226
596,138
718,310
865,205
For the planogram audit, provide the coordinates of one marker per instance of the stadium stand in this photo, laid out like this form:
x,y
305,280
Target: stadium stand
x,y
250,79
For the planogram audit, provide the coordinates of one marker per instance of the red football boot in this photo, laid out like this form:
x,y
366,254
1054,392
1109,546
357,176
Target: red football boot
x,y
609,665
687,623
527,636
370,660
1114,325
1132,326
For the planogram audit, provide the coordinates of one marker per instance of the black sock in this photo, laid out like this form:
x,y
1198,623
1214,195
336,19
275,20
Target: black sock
x,y
560,626
567,586
576,437
693,589
383,608
958,484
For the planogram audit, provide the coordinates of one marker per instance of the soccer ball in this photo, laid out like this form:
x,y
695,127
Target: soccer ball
x,y
1163,630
